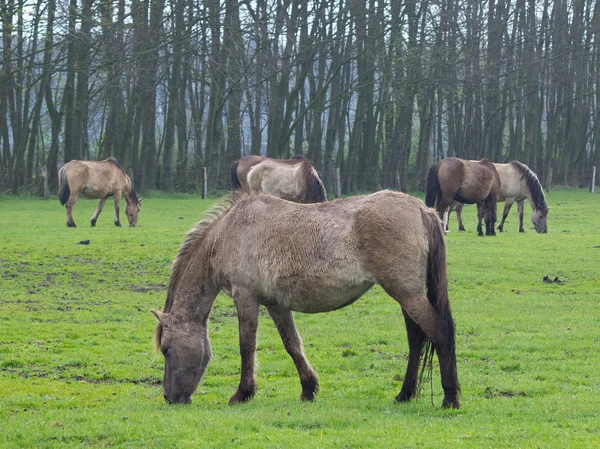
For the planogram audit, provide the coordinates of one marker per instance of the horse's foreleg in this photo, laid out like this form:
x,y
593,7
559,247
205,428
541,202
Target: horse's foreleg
x,y
284,320
117,197
98,210
416,340
507,205
520,208
247,311
70,204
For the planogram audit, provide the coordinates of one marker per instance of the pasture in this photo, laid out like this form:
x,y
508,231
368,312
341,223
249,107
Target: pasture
x,y
77,367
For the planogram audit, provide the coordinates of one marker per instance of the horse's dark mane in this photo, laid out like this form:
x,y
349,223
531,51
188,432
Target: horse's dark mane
x,y
113,161
533,184
314,186
192,242
132,194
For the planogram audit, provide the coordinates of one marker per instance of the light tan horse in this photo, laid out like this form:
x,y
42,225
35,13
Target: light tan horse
x,y
307,258
291,179
97,180
465,181
518,183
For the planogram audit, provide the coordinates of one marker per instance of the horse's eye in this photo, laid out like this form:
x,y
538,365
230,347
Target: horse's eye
x,y
165,350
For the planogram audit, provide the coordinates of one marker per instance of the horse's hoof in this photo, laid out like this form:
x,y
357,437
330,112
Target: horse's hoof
x,y
307,397
117,223
450,403
404,396
447,231
93,223
462,228
71,225
242,395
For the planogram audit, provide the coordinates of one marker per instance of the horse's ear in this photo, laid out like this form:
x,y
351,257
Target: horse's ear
x,y
160,316
140,200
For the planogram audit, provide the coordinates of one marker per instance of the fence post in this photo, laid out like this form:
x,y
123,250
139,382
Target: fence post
x,y
338,183
204,183
45,176
549,179
593,186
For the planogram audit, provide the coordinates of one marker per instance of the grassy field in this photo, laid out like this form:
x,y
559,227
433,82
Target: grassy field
x,y
77,367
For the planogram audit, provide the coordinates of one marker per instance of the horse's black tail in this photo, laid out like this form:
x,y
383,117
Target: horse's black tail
x,y
235,180
63,186
317,189
432,189
437,292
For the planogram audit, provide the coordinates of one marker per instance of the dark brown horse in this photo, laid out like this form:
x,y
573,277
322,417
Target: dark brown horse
x,y
518,183
291,179
308,258
97,180
465,181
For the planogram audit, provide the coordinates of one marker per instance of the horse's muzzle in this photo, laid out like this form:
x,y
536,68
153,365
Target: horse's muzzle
x,y
183,399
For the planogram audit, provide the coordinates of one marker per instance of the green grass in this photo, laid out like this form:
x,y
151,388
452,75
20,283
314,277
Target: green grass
x,y
77,367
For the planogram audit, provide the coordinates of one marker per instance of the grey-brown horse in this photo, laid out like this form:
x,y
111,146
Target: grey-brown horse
x,y
518,183
97,180
291,179
465,181
307,258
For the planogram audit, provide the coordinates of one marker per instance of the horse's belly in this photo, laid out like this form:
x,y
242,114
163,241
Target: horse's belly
x,y
315,296
92,194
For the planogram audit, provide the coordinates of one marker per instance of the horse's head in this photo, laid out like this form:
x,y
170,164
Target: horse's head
x,y
186,348
539,219
132,210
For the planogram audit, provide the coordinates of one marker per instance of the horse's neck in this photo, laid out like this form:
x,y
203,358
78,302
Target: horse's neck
x,y
533,201
194,292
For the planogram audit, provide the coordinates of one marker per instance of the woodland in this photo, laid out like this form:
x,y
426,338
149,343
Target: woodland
x,y
372,91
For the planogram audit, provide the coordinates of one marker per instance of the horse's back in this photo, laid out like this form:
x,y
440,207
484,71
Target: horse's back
x,y
95,179
512,184
272,177
318,257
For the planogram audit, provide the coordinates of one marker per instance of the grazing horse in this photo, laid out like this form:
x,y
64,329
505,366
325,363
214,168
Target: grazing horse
x,y
291,179
93,180
465,181
518,183
307,258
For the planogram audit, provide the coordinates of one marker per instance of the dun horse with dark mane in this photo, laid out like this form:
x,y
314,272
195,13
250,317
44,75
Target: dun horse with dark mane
x,y
291,179
518,183
307,258
97,180
454,179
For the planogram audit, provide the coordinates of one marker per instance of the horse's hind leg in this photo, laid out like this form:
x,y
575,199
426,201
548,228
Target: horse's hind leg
x,y
459,208
247,311
489,214
98,210
416,340
284,320
507,205
479,219
70,204
117,197
441,334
